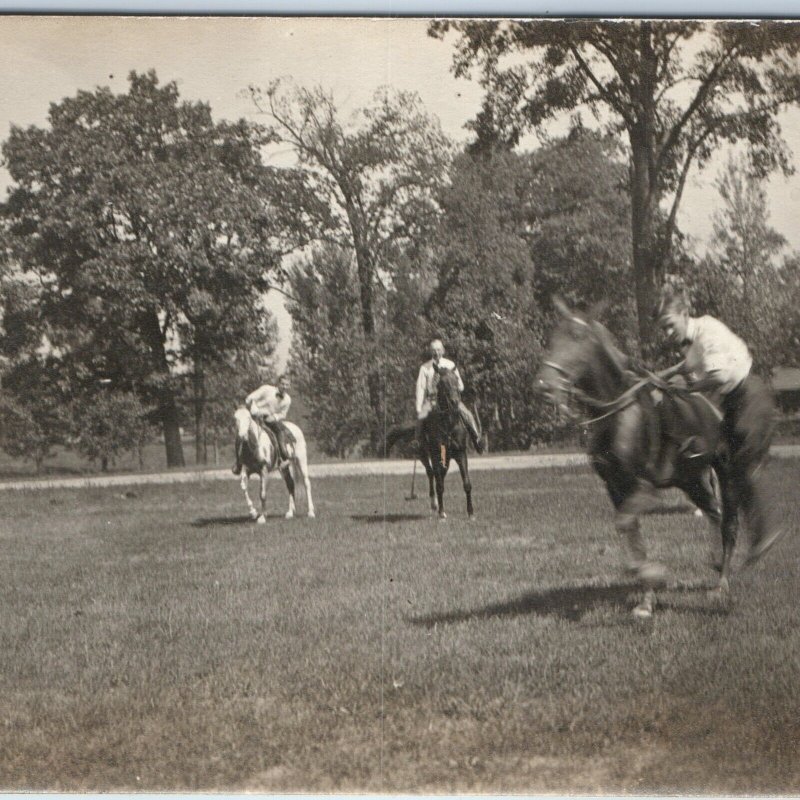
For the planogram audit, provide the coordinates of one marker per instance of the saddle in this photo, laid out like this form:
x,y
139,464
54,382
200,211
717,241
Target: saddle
x,y
288,436
685,426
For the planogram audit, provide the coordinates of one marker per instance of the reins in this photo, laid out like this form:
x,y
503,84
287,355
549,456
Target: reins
x,y
610,407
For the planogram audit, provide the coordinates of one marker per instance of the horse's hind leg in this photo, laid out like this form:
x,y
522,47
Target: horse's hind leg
x,y
730,522
464,470
702,491
245,479
264,474
301,471
426,462
287,477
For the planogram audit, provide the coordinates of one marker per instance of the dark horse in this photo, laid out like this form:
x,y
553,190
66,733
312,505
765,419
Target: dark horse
x,y
629,433
445,437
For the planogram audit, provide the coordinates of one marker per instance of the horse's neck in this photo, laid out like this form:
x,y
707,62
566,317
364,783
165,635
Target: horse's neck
x,y
254,437
604,380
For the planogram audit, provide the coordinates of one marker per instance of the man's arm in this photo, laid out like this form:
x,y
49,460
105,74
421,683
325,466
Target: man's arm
x,y
421,387
283,408
254,398
460,382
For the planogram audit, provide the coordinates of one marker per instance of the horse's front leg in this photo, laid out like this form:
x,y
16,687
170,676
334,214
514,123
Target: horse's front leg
x,y
650,574
429,471
463,468
441,471
244,480
264,474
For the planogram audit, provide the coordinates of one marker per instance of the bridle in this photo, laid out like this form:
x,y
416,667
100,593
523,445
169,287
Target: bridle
x,y
607,407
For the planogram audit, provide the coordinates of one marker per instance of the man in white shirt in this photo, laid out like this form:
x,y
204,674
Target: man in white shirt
x,y
426,394
269,405
716,360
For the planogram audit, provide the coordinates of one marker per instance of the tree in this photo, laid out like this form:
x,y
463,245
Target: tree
x,y
741,279
333,359
743,243
109,423
675,89
371,186
517,228
34,416
153,232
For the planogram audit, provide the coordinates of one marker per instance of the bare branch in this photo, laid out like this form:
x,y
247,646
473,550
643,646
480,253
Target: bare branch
x,y
613,101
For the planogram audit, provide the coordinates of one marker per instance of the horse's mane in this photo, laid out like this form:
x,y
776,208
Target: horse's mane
x,y
607,344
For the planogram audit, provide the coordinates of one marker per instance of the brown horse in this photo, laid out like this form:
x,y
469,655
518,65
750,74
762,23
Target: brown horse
x,y
444,438
628,435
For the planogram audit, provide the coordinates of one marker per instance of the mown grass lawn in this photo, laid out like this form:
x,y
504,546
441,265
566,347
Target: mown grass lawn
x,y
162,642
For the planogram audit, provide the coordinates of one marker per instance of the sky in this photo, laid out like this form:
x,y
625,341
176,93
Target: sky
x,y
45,59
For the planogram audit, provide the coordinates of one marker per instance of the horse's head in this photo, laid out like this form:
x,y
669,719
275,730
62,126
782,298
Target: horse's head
x,y
579,347
242,419
447,394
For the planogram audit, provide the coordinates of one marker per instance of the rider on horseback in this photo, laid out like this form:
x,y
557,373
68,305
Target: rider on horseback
x,y
426,394
269,405
718,360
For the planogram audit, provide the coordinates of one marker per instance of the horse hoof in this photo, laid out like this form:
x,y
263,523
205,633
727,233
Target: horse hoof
x,y
442,515
471,517
643,611
289,515
698,512
718,594
311,515
262,520
254,515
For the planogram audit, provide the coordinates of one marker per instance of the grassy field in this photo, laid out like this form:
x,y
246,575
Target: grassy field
x,y
160,641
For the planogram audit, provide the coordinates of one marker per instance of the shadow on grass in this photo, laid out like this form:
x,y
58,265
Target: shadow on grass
x,y
242,519
394,517
572,603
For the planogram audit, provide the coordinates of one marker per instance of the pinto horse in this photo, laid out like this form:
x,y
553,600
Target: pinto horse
x,y
444,438
626,427
259,455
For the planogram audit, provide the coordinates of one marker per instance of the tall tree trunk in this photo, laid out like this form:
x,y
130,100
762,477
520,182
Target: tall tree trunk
x,y
365,269
200,446
645,192
165,393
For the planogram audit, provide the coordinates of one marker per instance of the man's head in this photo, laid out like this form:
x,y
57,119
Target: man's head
x,y
437,350
673,316
283,384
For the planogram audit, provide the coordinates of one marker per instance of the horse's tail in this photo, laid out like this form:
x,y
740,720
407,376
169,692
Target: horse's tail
x,y
397,434
298,459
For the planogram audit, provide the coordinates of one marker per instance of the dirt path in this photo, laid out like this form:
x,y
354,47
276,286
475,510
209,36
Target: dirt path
x,y
387,467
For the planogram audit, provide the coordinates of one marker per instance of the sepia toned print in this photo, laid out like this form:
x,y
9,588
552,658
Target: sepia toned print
x,y
501,316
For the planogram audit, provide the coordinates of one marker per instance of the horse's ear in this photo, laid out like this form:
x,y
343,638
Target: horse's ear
x,y
562,307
